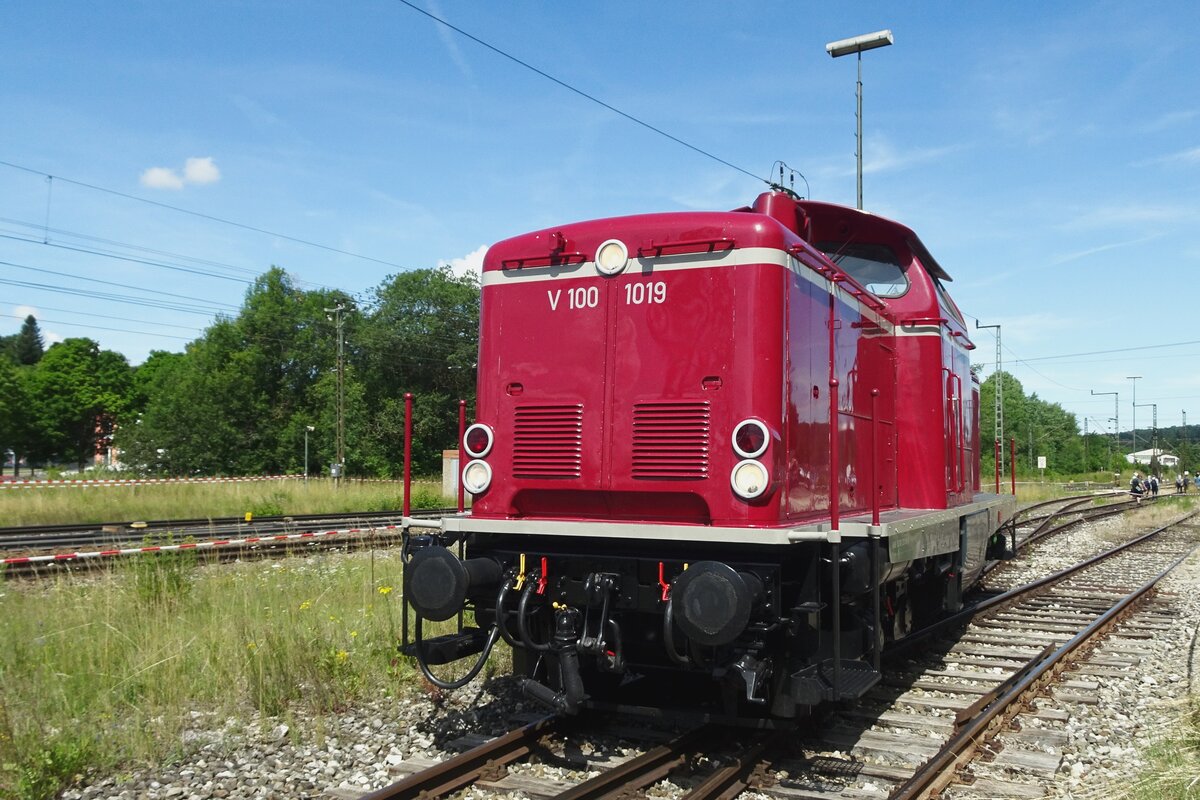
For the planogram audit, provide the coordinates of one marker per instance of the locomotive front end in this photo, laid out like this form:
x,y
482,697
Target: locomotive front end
x,y
673,413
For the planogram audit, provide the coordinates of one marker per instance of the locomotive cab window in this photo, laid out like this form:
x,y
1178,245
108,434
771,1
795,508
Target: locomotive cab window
x,y
947,305
875,266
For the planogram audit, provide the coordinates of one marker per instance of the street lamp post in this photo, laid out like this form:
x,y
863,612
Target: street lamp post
x,y
1153,428
1134,378
307,430
1116,415
857,45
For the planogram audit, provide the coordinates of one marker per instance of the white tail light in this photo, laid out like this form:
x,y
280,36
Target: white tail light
x,y
477,477
749,479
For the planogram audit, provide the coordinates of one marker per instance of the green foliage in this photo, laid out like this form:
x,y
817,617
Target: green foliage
x,y
240,399
14,405
28,347
421,336
1039,428
81,391
163,578
270,506
54,764
92,657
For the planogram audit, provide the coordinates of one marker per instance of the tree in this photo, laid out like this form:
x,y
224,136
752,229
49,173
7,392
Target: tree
x,y
239,399
81,393
28,347
1039,428
421,335
14,412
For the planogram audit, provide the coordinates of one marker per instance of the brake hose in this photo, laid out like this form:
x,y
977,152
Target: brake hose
x,y
522,625
669,635
464,680
501,615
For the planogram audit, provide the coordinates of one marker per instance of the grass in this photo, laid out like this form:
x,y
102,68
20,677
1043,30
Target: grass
x,y
102,670
1174,773
197,501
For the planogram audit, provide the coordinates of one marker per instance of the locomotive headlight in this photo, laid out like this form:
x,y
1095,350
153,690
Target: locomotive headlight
x,y
750,438
477,441
476,477
611,257
749,479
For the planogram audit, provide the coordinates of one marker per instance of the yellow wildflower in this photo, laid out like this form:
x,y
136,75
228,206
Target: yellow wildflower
x,y
353,634
385,590
342,655
307,604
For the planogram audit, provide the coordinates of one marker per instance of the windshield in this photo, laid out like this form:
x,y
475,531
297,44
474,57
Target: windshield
x,y
875,266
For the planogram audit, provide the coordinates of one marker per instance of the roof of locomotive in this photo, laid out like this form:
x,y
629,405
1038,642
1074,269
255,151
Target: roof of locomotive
x,y
577,242
835,222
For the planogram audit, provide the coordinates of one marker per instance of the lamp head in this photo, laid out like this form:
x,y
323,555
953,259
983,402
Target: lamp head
x,y
857,44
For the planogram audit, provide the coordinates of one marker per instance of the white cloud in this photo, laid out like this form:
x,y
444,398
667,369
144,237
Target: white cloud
x,y
470,264
201,170
161,178
1187,157
195,171
25,311
1091,251
50,337
450,43
882,156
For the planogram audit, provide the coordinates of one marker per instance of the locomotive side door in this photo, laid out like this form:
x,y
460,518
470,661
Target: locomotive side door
x,y
957,410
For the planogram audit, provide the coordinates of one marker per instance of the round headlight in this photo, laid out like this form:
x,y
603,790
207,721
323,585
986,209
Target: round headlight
x,y
477,441
611,257
749,479
750,438
476,476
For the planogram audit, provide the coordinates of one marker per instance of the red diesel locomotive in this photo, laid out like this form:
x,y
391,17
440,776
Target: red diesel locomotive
x,y
733,454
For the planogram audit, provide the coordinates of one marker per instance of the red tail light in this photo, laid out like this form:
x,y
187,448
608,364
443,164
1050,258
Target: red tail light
x,y
477,441
750,438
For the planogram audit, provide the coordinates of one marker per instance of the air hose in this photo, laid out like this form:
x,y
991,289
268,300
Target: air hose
x,y
464,680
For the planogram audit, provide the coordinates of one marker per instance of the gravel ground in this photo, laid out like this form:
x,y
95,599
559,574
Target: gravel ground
x,y
1139,708
266,758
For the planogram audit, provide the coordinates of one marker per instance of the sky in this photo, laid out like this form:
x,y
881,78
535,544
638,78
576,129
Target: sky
x,y
1048,155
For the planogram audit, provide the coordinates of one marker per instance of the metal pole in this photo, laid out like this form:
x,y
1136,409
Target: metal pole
x,y
407,451
857,45
860,126
997,466
340,437
1134,378
998,409
306,455
1012,454
462,431
1116,414
1085,446
835,534
874,459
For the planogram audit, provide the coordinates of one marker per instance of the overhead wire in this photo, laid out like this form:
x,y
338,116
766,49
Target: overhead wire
x,y
113,283
127,245
636,120
103,328
92,314
146,302
130,259
201,215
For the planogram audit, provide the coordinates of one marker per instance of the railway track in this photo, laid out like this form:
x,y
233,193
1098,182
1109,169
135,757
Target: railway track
x,y
948,698
41,549
73,534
